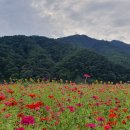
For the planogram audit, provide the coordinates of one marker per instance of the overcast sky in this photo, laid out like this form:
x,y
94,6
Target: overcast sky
x,y
101,19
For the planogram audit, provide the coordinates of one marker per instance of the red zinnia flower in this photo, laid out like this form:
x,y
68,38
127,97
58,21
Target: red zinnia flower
x,y
2,97
92,126
44,128
107,127
36,105
10,91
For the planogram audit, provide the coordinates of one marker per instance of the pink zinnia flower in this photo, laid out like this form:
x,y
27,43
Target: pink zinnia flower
x,y
79,105
27,120
47,108
7,115
37,108
20,128
71,108
95,97
100,119
91,125
62,109
87,76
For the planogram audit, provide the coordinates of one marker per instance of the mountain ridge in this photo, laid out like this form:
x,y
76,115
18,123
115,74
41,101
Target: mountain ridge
x,y
83,35
116,51
41,57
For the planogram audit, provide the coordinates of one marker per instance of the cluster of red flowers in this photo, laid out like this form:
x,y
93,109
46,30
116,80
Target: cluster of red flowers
x,y
11,102
47,107
2,97
36,105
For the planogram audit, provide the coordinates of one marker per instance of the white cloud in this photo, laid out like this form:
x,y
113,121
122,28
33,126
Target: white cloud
x,y
102,19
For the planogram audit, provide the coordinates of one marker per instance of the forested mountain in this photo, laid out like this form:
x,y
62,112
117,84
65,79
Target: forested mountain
x,y
116,51
42,57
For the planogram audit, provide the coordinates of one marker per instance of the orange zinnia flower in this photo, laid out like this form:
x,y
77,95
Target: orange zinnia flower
x,y
20,115
112,123
44,128
113,115
128,117
51,96
112,111
124,122
44,119
32,95
125,109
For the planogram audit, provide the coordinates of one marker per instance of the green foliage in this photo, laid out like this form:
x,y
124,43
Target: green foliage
x,y
41,57
115,51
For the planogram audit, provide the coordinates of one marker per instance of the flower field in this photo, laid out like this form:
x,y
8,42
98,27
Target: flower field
x,y
58,106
